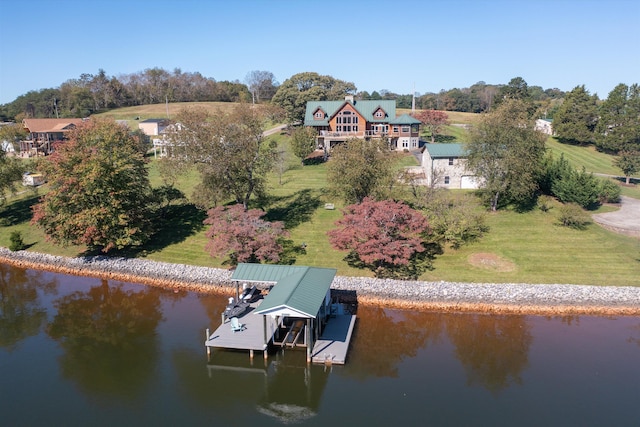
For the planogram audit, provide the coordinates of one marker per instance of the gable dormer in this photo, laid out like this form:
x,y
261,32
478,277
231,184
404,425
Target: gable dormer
x,y
319,114
379,114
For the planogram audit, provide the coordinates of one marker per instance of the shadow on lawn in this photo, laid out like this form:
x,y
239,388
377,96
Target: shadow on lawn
x,y
178,222
295,209
18,212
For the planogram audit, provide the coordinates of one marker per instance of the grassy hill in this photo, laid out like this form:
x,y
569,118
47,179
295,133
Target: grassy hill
x,y
136,114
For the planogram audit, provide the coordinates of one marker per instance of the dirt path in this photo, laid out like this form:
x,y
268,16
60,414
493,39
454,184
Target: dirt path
x,y
626,220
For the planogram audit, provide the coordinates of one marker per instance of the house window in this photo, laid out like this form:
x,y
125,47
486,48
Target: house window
x,y
405,143
450,161
395,129
380,128
318,115
446,180
405,129
379,114
346,117
355,128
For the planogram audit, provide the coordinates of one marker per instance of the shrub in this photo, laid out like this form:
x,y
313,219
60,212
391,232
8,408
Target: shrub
x,y
17,244
573,216
609,192
578,187
545,203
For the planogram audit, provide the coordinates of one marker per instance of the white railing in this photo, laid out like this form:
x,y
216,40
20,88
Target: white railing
x,y
335,134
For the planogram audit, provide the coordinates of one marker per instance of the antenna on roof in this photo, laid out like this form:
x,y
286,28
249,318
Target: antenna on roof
x,y
413,99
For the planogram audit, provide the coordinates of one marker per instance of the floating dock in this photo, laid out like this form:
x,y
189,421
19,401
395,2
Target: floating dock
x,y
333,344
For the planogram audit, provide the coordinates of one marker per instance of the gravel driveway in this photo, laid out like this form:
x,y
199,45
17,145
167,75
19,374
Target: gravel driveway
x,y
626,220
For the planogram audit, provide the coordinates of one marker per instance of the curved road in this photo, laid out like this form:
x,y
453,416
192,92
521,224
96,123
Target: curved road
x,y
626,220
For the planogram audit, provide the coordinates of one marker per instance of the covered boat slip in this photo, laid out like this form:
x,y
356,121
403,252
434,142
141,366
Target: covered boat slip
x,y
296,312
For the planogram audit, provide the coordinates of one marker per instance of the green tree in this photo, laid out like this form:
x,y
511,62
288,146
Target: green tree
x,y
517,88
294,93
99,194
359,168
454,219
506,154
11,170
303,142
575,120
619,123
578,187
629,163
228,149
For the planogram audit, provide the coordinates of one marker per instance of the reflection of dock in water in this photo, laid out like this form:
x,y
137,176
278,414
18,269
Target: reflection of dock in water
x,y
288,388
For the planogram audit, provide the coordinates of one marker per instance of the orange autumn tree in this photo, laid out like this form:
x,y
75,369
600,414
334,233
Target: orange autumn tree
x,y
386,237
433,120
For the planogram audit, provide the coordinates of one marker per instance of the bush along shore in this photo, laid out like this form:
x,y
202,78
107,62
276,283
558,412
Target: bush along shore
x,y
500,298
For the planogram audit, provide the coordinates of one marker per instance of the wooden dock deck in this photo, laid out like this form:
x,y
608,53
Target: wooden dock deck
x,y
253,336
258,331
333,345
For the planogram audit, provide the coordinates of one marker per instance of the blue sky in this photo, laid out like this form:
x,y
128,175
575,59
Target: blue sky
x,y
393,45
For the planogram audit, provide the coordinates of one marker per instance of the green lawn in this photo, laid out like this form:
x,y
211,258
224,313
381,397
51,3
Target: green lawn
x,y
538,250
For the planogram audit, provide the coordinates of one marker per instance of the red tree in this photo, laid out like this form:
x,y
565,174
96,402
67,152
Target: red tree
x,y
433,120
386,237
243,235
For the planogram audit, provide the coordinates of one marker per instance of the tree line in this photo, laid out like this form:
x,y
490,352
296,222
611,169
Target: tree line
x,y
94,93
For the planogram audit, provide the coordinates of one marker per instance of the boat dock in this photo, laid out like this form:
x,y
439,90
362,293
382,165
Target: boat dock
x,y
296,311
333,344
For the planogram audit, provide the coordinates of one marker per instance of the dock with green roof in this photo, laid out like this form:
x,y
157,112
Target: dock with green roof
x,y
294,309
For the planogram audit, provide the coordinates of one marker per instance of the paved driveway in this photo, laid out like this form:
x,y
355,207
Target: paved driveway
x,y
626,220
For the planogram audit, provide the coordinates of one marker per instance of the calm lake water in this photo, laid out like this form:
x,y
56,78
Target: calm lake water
x,y
85,352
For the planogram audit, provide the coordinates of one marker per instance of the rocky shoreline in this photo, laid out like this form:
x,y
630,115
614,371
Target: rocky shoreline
x,y
502,298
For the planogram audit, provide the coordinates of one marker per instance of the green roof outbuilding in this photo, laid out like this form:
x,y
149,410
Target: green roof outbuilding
x,y
446,150
298,291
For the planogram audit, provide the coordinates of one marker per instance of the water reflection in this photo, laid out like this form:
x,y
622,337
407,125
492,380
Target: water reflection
x,y
108,337
118,353
493,349
383,338
21,311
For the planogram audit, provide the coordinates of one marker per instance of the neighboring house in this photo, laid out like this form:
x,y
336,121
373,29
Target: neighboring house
x,y
166,142
544,126
445,166
153,127
42,133
337,121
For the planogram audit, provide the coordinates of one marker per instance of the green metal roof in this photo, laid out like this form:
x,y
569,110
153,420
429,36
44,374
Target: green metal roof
x,y
299,288
405,119
445,150
363,106
248,272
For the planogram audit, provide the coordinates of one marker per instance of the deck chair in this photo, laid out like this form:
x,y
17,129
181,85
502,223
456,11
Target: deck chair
x,y
236,325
